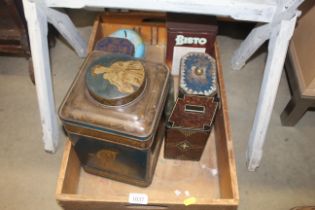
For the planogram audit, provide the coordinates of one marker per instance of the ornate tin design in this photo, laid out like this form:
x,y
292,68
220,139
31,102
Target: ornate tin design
x,y
115,79
184,145
187,133
198,74
115,45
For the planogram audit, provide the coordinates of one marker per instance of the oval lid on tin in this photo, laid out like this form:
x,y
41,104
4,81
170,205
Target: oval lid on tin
x,y
115,80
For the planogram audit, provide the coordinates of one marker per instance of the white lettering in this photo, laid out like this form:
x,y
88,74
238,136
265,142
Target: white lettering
x,y
181,40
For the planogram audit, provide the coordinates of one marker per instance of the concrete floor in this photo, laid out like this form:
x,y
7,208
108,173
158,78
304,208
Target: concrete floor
x,y
28,175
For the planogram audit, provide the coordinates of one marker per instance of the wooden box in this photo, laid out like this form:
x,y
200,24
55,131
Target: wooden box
x,y
211,183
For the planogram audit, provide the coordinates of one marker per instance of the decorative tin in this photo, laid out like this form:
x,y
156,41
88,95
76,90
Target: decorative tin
x,y
198,74
119,83
115,45
134,38
189,126
188,33
112,114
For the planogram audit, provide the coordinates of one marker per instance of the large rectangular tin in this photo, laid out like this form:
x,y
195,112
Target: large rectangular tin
x,y
118,142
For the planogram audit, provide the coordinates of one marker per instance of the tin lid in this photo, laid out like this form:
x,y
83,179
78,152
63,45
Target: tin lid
x,y
198,74
134,38
137,119
115,45
114,82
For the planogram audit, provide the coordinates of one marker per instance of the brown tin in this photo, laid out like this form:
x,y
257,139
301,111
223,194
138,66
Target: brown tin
x,y
188,33
189,126
120,142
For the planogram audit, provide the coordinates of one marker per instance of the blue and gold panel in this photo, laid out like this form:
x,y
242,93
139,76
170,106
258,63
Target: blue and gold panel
x,y
198,74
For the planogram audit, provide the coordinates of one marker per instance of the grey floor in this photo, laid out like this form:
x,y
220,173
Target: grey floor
x,y
28,175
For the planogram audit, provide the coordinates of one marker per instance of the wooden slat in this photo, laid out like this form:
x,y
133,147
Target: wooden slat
x,y
69,172
226,162
96,34
12,49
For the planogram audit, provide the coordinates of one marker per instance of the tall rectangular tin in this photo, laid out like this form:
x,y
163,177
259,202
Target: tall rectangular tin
x,y
118,141
188,33
189,126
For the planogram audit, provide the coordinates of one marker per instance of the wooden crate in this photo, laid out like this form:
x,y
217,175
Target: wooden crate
x,y
79,190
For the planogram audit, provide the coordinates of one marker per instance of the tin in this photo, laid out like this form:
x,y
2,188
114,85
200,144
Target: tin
x,y
198,74
188,33
115,45
117,127
189,126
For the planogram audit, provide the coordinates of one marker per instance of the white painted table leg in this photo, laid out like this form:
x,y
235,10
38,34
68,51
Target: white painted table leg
x,y
37,29
277,48
252,42
66,28
286,10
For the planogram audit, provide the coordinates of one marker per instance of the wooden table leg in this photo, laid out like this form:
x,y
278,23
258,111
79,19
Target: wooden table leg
x,y
66,28
298,104
250,45
279,31
295,110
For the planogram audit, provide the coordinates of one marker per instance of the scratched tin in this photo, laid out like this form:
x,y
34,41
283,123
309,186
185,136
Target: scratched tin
x,y
117,140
